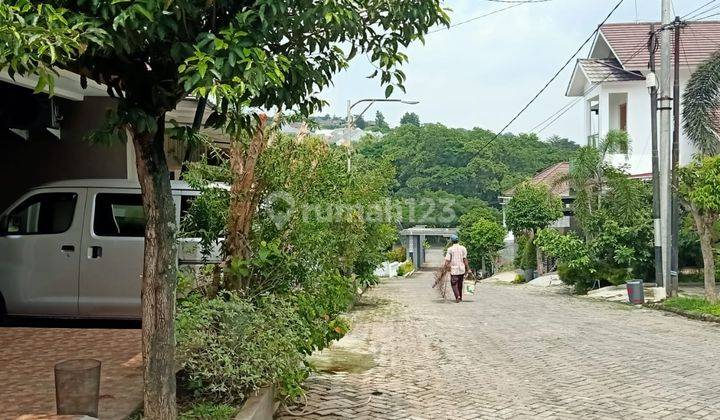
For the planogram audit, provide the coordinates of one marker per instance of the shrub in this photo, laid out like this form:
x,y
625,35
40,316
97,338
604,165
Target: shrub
x,y
617,276
577,277
519,278
208,411
405,268
529,258
520,242
229,347
397,254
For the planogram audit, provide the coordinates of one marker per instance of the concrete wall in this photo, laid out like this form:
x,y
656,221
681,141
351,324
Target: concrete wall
x,y
43,158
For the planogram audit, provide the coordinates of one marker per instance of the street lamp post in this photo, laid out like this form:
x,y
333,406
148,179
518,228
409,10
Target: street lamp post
x,y
351,119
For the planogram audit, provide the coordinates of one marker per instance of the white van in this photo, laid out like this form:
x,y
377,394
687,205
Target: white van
x,y
75,249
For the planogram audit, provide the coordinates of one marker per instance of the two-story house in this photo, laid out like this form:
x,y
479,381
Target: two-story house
x,y
611,83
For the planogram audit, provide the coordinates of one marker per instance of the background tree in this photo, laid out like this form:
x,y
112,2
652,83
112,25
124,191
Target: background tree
x,y
458,161
152,53
380,122
483,239
533,207
360,122
700,188
410,118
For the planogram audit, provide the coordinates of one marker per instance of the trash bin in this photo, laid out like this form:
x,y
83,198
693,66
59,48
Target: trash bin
x,y
77,387
636,294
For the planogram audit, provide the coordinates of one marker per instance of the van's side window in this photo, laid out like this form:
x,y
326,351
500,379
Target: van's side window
x,y
119,215
43,214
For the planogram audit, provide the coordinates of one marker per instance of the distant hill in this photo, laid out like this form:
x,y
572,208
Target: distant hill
x,y
435,158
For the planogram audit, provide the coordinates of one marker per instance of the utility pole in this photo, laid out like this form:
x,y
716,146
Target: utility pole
x,y
674,266
652,84
664,146
349,119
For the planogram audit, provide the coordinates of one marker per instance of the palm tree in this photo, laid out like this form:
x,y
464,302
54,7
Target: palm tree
x,y
588,171
701,102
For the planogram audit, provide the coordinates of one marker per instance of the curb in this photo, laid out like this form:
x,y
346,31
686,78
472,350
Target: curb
x,y
259,407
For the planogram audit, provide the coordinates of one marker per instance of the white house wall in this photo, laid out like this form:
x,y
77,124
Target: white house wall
x,y
639,160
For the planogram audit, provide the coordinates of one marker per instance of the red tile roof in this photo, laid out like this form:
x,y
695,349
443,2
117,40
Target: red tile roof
x,y
599,70
629,42
551,177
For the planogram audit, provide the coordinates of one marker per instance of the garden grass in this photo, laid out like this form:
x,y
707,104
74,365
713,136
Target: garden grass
x,y
696,305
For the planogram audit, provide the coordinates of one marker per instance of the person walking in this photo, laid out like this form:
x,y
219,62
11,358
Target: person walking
x,y
456,261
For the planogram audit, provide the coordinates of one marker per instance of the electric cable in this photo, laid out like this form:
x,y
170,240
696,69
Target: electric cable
x,y
570,105
687,15
552,79
475,18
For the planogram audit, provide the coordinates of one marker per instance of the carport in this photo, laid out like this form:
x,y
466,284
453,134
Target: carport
x,y
415,237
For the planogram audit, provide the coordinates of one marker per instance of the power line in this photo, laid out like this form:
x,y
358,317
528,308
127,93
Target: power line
x,y
708,16
563,110
555,76
476,18
687,15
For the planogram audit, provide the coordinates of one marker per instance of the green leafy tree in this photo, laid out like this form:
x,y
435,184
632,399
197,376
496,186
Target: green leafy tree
x,y
360,122
533,207
460,162
483,239
700,189
562,142
410,118
380,122
618,237
152,53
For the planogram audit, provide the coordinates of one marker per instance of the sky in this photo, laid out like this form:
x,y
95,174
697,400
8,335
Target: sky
x,y
480,74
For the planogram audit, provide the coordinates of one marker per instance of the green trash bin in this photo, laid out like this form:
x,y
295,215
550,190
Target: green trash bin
x,y
636,294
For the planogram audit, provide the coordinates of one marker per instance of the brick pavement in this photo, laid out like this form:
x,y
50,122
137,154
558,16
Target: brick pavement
x,y
28,355
519,352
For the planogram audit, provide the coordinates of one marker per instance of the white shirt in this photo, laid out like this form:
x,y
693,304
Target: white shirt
x,y
456,255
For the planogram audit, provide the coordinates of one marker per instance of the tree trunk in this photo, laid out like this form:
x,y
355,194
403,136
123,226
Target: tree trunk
x,y
705,226
159,275
540,267
243,194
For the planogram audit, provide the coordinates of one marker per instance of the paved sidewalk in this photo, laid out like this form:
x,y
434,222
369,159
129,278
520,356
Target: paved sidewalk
x,y
517,352
28,356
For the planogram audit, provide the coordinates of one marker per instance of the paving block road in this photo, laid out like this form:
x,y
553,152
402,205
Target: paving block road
x,y
513,352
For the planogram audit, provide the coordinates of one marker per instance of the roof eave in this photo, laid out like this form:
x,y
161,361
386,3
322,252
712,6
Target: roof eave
x,y
570,91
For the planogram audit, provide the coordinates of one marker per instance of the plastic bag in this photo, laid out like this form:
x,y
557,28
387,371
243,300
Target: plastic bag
x,y
470,288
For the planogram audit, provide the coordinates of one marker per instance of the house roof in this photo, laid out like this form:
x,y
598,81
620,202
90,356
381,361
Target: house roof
x,y
552,178
607,69
628,42
620,53
598,70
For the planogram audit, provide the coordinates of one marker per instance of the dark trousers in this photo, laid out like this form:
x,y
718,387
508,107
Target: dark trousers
x,y
457,285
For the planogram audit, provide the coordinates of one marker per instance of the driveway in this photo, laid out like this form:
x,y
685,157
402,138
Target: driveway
x,y
514,352
28,355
